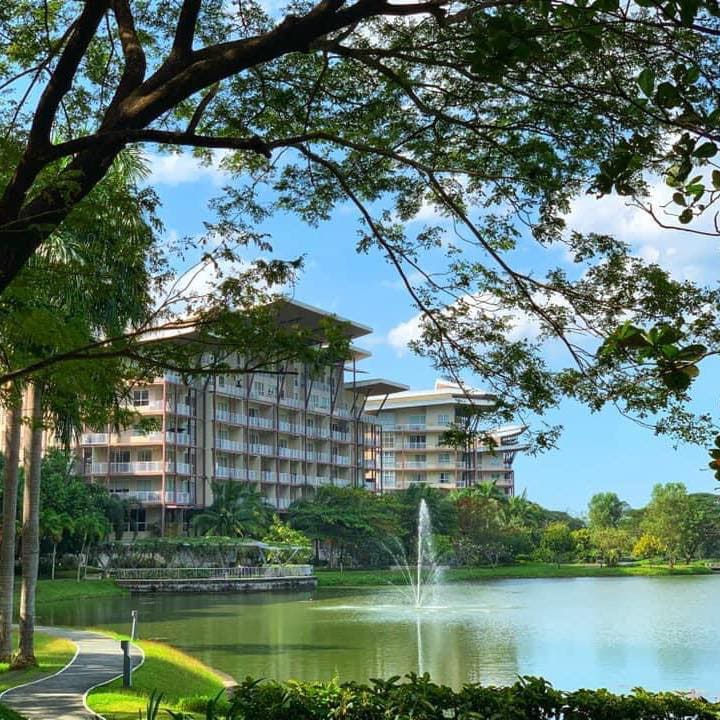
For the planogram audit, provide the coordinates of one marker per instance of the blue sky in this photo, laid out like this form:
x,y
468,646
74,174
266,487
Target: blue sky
x,y
596,452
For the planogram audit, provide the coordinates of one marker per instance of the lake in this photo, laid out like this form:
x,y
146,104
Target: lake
x,y
660,633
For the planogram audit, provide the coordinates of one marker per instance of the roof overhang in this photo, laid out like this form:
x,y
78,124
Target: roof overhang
x,y
294,312
376,386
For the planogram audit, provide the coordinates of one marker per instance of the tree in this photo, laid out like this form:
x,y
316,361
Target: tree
x,y
53,526
610,544
605,510
25,656
665,516
91,528
9,515
530,104
295,545
237,510
648,546
558,543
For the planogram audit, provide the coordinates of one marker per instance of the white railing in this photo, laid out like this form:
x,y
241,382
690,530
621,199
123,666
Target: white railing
x,y
230,417
180,409
179,498
179,468
267,476
413,464
319,457
290,427
232,445
95,438
340,482
290,453
291,402
149,406
341,459
139,466
267,571
177,438
342,412
230,389
261,422
417,445
345,437
149,437
231,473
145,496
259,449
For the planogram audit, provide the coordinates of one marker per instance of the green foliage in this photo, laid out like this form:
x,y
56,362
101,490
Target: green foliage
x,y
610,544
605,510
557,543
237,510
417,697
297,547
648,546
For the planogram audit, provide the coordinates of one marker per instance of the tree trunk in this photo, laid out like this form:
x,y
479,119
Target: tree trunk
x,y
13,419
54,555
25,656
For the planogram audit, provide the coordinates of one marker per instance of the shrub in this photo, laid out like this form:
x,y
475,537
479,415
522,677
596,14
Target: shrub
x,y
420,699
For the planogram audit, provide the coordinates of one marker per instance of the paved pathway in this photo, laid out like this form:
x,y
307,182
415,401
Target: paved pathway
x,y
62,696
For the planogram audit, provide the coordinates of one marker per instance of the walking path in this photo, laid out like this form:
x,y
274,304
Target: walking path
x,y
62,696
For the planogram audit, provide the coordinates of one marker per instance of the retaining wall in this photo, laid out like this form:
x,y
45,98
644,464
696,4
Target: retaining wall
x,y
219,585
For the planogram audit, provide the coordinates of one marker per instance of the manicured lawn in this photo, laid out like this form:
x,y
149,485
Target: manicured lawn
x,y
181,678
359,578
50,591
52,653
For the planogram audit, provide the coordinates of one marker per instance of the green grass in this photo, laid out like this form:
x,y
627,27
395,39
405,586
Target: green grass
x,y
7,714
52,653
50,591
180,677
363,578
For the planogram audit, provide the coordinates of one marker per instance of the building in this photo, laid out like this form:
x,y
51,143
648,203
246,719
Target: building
x,y
286,433
413,423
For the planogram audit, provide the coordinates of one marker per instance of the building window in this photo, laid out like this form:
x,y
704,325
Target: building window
x,y
443,419
119,456
416,419
417,441
444,458
386,419
444,477
141,397
388,440
221,380
144,456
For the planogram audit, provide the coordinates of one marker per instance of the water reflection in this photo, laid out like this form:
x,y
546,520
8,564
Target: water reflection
x,y
612,632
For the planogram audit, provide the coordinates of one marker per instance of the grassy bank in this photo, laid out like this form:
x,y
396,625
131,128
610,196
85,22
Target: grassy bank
x,y
52,653
362,578
51,591
184,681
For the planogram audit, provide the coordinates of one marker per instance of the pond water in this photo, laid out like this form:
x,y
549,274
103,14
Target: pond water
x,y
618,633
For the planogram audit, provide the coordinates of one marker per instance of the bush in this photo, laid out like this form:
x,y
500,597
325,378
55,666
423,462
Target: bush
x,y
7,714
421,699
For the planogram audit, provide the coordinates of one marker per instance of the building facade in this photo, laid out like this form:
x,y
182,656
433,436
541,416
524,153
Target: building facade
x,y
286,433
413,424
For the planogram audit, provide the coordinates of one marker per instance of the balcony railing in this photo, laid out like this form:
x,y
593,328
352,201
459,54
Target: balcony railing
x,y
259,449
341,459
178,438
261,422
179,498
230,389
343,436
231,445
293,453
230,418
234,473
95,438
178,468
291,402
268,476
290,427
143,496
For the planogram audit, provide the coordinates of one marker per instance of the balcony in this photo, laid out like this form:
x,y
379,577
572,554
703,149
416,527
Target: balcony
x,y
230,389
341,459
342,436
178,468
292,453
126,468
180,409
320,457
179,498
175,438
230,418
259,449
229,473
143,496
230,445
151,406
290,428
291,402
417,445
342,412
291,479
268,476
95,438
261,422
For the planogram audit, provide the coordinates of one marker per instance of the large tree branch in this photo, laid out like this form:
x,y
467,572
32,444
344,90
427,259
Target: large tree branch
x,y
135,62
185,31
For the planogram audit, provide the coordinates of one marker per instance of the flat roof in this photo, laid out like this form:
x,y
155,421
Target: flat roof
x,y
376,386
294,311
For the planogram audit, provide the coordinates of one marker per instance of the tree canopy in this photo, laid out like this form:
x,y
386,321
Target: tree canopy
x,y
494,114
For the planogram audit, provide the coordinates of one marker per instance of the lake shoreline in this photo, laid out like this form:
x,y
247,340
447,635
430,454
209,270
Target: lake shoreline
x,y
540,571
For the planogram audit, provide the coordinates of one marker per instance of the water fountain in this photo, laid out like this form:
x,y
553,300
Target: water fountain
x,y
423,577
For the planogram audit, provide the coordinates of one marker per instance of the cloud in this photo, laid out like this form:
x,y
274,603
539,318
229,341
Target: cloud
x,y
401,335
182,168
686,256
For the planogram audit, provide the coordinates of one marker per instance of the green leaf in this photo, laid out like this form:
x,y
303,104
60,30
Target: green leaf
x,y
646,82
706,150
686,216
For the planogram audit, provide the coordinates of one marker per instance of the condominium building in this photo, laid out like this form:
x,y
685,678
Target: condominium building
x,y
285,432
413,424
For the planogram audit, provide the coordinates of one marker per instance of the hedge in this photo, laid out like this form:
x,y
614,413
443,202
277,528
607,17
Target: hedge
x,y
418,698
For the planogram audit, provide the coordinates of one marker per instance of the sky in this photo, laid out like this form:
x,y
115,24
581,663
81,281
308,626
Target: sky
x,y
596,452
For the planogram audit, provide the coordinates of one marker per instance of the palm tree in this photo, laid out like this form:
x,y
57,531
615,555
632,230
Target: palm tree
x,y
9,516
92,527
25,656
237,510
53,526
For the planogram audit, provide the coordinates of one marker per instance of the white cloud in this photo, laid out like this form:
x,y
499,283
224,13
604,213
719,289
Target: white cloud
x,y
181,168
401,335
687,256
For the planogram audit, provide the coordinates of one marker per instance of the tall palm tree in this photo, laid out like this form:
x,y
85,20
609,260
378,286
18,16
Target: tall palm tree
x,y
53,526
237,510
25,656
9,516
